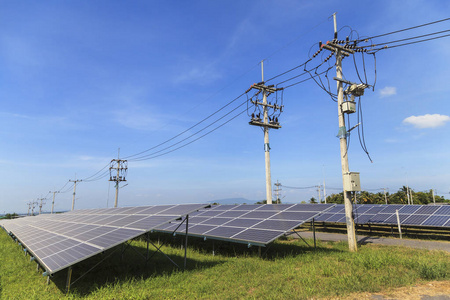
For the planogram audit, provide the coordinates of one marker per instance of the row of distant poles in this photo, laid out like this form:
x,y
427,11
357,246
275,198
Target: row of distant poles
x,y
117,173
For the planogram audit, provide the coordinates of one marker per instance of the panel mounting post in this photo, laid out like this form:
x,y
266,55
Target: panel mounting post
x,y
186,241
69,277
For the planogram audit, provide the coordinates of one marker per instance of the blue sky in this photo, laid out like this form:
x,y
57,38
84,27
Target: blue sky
x,y
80,79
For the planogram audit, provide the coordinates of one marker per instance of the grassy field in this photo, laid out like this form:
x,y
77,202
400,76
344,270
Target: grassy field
x,y
289,270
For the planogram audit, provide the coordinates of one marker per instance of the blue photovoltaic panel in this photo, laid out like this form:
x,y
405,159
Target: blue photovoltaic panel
x,y
409,209
339,208
416,215
338,218
61,240
253,224
427,210
414,220
437,221
390,209
443,211
323,217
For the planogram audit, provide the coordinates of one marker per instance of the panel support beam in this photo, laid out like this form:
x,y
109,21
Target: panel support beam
x,y
69,278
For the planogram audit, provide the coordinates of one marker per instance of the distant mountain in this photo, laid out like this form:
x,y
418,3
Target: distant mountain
x,y
233,201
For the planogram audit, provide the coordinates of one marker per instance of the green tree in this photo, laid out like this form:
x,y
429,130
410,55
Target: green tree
x,y
336,198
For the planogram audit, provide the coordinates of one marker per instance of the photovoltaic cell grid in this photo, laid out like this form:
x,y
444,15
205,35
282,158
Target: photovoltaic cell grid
x,y
418,215
253,224
60,240
363,213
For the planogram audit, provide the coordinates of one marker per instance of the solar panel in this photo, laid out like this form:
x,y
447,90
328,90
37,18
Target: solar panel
x,y
362,213
416,215
58,241
253,224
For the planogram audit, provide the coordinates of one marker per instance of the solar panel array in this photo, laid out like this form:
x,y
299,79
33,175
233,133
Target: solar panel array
x,y
61,240
252,224
418,215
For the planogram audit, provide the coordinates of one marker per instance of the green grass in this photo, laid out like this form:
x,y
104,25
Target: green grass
x,y
289,270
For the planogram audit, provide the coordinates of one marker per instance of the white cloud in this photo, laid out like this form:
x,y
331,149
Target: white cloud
x,y
427,121
388,91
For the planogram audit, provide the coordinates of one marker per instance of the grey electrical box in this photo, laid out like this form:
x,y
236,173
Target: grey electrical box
x,y
351,182
348,107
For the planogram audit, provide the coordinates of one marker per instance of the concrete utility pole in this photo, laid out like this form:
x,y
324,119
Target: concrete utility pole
x,y
74,191
121,166
266,123
385,196
277,191
33,205
434,200
350,180
41,204
29,208
53,202
318,191
407,194
324,190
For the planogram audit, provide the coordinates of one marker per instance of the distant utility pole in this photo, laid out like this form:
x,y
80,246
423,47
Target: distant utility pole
x,y
33,205
29,207
350,180
277,191
121,166
434,200
74,190
53,202
41,204
318,191
385,196
407,194
324,190
266,123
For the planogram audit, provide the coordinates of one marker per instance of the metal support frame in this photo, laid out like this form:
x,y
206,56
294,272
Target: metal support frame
x,y
123,248
69,277
158,248
301,238
314,233
93,266
186,241
267,249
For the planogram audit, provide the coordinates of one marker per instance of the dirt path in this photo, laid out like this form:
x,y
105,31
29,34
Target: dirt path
x,y
435,290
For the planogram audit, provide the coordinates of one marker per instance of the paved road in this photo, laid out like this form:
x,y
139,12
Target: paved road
x,y
430,245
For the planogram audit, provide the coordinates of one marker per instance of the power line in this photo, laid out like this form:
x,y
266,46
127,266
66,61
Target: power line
x,y
182,146
183,132
90,177
299,188
405,39
405,29
188,137
405,44
67,190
